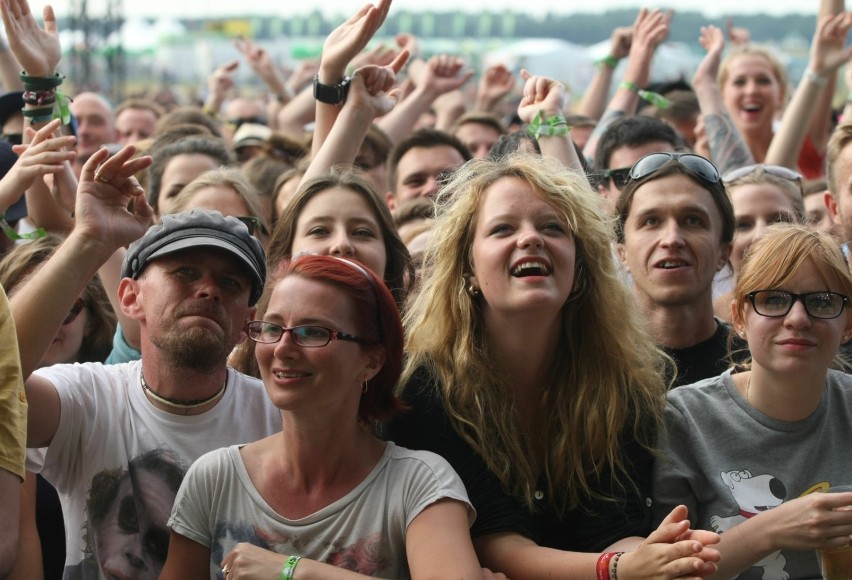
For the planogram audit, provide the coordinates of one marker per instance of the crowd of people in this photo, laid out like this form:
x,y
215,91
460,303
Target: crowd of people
x,y
399,318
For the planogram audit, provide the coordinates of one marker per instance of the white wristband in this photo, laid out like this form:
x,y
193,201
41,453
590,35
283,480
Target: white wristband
x,y
816,79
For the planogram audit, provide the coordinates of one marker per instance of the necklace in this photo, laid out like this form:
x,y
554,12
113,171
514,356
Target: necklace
x,y
748,388
176,404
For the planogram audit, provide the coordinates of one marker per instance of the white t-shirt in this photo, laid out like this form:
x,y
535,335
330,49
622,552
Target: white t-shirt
x,y
364,531
119,460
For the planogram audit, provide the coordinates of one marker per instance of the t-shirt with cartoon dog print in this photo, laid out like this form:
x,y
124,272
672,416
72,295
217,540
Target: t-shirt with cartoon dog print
x,y
727,461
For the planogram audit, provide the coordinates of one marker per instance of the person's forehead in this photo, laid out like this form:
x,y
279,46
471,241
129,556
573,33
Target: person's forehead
x,y
624,156
90,106
136,114
436,158
674,193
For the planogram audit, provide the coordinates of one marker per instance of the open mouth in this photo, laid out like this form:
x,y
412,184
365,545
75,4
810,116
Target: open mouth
x,y
526,269
671,264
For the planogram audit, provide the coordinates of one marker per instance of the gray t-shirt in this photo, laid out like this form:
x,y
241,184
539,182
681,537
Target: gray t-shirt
x,y
727,461
218,506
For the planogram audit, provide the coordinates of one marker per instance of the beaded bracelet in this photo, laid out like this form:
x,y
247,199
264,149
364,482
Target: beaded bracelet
x,y
608,61
39,98
290,567
655,99
615,560
32,83
555,126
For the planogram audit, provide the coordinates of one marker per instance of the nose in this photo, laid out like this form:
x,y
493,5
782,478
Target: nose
x,y
285,346
341,245
797,317
529,236
672,236
431,187
208,287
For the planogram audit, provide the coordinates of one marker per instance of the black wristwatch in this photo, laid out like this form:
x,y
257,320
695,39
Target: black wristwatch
x,y
331,94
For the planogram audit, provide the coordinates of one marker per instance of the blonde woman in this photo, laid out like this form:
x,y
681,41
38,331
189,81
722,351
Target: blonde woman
x,y
530,371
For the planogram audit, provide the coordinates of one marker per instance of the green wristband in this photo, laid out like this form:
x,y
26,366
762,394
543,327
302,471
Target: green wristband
x,y
609,61
655,99
555,126
13,235
290,567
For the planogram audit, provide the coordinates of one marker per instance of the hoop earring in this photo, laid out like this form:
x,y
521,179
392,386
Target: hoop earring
x,y
364,388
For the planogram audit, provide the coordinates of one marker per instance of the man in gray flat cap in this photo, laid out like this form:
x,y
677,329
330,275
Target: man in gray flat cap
x,y
117,439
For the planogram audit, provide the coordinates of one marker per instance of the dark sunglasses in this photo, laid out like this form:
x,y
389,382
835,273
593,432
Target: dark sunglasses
x,y
776,170
75,311
619,177
253,223
696,165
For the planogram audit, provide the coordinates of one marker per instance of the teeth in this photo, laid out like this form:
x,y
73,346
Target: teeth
x,y
671,264
530,266
289,375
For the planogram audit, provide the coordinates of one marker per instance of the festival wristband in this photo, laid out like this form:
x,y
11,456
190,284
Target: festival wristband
x,y
32,83
555,126
608,61
290,567
655,99
13,235
602,567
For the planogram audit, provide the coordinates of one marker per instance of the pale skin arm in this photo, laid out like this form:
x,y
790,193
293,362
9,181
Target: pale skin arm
x,y
219,84
727,148
827,54
547,97
9,70
649,30
28,565
339,48
10,505
805,523
594,99
671,551
497,81
370,95
820,125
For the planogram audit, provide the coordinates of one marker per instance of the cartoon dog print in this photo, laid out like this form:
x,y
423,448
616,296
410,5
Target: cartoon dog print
x,y
754,494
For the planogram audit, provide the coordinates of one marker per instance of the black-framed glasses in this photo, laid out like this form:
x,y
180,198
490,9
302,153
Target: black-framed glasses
x,y
777,170
307,335
253,223
774,303
75,311
695,164
619,177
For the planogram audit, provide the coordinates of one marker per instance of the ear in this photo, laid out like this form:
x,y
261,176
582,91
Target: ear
x,y
130,299
390,199
737,323
833,210
724,256
375,362
621,250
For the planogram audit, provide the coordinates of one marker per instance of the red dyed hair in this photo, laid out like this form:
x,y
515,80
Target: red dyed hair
x,y
377,318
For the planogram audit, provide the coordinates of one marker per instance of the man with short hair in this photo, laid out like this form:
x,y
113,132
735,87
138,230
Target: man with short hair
x,y
624,143
674,235
136,120
418,163
119,438
479,131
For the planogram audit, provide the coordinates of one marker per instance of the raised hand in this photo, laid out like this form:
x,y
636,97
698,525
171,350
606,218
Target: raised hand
x,y
737,35
541,94
372,87
442,74
220,81
620,41
107,186
827,49
37,49
497,81
261,62
349,39
713,41
45,154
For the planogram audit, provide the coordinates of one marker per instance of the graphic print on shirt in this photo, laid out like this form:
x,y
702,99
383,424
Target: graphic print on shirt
x,y
127,513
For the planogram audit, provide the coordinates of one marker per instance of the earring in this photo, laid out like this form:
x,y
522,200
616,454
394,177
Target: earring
x,y
472,288
364,388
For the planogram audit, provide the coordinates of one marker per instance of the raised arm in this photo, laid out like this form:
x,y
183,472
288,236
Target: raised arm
x,y
496,82
542,108
338,50
370,96
650,29
728,150
594,100
828,53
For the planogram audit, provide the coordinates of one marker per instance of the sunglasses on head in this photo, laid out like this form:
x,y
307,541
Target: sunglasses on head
x,y
75,311
776,170
696,165
253,223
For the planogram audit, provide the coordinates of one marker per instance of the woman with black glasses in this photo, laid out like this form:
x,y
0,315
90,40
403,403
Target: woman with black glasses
x,y
761,195
746,450
324,498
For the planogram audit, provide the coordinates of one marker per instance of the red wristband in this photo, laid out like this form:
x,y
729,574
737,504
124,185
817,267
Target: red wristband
x,y
602,567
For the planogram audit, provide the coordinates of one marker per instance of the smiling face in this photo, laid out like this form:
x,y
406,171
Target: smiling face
x,y
752,92
794,345
340,222
523,253
672,243
325,379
